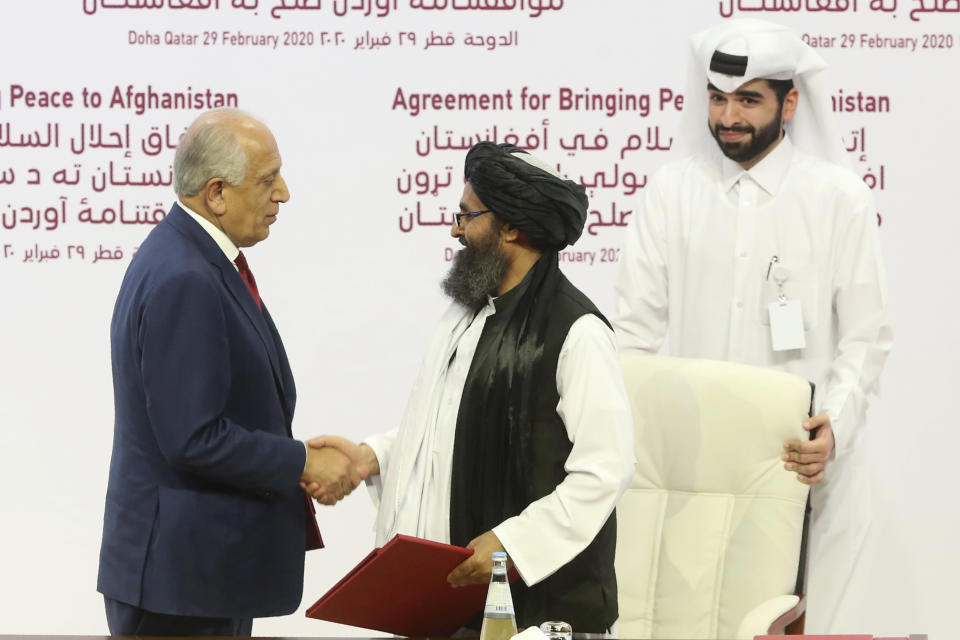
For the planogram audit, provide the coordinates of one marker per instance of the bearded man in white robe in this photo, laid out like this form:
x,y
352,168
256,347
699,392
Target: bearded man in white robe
x,y
517,436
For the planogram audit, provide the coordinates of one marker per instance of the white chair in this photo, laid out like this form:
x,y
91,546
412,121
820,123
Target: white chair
x,y
710,532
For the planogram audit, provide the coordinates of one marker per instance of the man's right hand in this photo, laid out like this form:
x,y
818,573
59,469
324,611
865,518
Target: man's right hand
x,y
809,458
362,457
331,473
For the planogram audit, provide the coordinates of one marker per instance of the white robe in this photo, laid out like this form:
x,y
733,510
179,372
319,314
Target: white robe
x,y
415,459
695,267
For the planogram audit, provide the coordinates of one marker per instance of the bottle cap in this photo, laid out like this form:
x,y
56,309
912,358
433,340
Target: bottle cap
x,y
499,554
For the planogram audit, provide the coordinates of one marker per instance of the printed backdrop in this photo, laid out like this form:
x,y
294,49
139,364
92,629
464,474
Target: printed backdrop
x,y
373,103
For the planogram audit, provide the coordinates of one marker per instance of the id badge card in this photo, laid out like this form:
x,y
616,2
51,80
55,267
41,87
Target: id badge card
x,y
786,325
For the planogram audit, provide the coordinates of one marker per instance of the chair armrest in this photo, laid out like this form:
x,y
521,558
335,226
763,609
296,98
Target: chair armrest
x,y
770,616
793,621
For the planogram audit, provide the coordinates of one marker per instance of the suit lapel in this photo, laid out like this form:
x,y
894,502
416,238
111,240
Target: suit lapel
x,y
233,283
285,376
238,289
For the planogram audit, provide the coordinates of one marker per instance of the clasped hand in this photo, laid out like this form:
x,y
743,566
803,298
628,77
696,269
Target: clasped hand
x,y
341,467
330,475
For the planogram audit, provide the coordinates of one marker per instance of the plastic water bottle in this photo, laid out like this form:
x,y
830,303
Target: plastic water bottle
x,y
499,620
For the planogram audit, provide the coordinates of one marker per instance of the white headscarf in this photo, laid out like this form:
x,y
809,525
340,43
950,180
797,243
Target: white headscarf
x,y
765,50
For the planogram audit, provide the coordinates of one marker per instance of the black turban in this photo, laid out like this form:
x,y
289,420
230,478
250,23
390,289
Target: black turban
x,y
551,211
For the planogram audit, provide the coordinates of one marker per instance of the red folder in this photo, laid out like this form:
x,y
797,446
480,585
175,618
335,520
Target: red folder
x,y
401,588
314,540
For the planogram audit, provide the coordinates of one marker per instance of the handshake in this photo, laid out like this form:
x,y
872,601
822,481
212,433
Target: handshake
x,y
335,467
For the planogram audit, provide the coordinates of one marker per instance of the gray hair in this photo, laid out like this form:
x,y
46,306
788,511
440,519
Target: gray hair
x,y
209,149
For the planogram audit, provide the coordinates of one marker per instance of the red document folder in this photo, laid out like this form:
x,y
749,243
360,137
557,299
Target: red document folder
x,y
401,588
314,540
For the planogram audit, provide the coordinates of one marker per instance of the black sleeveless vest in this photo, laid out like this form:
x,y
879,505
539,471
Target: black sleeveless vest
x,y
584,591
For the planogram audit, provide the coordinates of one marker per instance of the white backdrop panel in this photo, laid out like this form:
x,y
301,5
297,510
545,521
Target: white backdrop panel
x,y
350,271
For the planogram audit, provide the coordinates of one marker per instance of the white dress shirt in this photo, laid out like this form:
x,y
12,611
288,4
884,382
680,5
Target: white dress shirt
x,y
416,459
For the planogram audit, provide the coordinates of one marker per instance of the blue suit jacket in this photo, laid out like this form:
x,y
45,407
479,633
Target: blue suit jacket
x,y
204,515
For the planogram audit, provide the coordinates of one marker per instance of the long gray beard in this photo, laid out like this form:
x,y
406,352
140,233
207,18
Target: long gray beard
x,y
476,273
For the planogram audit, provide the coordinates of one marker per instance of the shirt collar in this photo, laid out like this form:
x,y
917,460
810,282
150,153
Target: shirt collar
x,y
223,241
768,173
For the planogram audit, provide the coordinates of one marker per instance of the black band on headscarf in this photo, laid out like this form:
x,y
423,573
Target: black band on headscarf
x,y
728,64
495,421
551,211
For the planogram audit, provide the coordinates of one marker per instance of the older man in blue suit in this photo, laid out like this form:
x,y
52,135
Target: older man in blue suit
x,y
206,522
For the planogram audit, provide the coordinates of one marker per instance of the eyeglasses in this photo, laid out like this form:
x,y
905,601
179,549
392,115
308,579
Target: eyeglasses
x,y
458,217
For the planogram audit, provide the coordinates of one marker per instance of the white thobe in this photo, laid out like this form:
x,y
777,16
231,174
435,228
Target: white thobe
x,y
413,488
695,265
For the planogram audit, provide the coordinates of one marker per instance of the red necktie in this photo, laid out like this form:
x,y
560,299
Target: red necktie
x,y
248,278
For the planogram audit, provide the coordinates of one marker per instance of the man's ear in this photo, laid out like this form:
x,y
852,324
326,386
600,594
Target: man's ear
x,y
790,102
509,233
213,194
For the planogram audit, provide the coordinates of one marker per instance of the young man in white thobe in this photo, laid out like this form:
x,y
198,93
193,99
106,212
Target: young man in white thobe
x,y
762,248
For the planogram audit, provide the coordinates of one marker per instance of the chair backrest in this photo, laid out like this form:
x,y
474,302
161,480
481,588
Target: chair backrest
x,y
711,525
